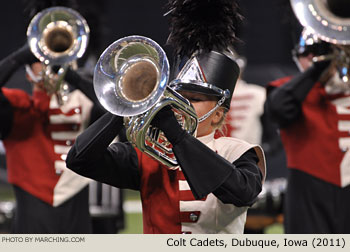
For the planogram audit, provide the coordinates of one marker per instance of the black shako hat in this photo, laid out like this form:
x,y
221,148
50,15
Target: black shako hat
x,y
211,73
202,34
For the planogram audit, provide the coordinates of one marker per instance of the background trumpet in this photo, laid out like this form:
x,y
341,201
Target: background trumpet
x,y
57,36
333,28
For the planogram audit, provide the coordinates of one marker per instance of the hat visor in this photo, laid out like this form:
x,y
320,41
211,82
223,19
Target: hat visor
x,y
196,87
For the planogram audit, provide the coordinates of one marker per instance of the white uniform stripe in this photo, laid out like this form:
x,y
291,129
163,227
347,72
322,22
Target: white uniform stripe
x,y
58,119
344,125
193,205
53,103
61,149
342,105
64,135
183,185
60,166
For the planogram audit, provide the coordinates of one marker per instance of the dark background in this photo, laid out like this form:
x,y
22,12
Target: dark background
x,y
265,31
268,34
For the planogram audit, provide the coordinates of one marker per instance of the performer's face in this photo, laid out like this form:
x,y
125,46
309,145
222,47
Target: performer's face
x,y
203,104
36,70
50,86
306,61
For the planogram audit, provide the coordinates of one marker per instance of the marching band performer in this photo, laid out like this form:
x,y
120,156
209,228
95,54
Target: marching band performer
x,y
217,180
312,111
37,131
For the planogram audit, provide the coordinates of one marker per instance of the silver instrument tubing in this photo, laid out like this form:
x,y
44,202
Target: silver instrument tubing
x,y
58,35
315,15
131,80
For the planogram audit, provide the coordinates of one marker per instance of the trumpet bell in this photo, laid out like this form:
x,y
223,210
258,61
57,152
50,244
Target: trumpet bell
x,y
130,80
131,75
317,16
58,35
329,21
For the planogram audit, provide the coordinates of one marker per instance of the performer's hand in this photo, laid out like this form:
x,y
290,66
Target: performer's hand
x,y
320,66
324,70
282,108
11,63
302,83
24,56
83,83
166,121
72,77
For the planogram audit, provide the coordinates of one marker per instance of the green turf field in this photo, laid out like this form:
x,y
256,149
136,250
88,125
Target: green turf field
x,y
133,225
133,218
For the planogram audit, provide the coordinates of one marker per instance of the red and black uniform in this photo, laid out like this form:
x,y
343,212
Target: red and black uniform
x,y
210,193
315,126
40,135
37,133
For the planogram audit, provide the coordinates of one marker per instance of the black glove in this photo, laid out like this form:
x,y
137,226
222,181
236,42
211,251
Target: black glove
x,y
320,66
301,84
11,63
24,55
82,83
284,104
165,120
85,85
282,107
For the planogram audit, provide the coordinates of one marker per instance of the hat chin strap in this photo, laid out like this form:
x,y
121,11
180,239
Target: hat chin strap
x,y
32,75
220,102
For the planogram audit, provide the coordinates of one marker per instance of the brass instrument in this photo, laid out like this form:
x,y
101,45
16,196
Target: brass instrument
x,y
317,17
131,80
57,36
